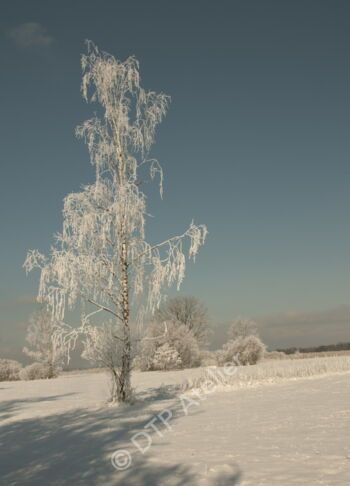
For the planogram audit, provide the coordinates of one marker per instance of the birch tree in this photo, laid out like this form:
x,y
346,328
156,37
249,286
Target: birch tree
x,y
101,257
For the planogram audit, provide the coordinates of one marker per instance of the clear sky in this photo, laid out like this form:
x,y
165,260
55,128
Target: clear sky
x,y
256,145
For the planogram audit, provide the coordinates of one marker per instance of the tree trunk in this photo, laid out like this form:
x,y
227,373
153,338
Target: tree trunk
x,y
51,370
124,388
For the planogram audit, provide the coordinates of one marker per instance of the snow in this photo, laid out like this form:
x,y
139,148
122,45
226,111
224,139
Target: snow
x,y
60,432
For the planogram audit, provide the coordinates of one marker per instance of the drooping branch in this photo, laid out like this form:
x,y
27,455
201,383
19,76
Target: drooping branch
x,y
197,235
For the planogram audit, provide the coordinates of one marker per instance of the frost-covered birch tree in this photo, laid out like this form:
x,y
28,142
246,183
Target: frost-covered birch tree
x,y
101,257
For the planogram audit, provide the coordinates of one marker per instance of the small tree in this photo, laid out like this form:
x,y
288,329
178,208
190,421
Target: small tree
x,y
242,327
40,337
188,311
101,257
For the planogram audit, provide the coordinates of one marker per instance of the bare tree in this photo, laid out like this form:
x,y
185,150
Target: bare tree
x,y
242,328
101,257
40,338
188,311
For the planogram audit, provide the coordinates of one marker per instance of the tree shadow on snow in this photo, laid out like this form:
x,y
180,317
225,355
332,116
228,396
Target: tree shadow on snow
x,y
75,447
8,408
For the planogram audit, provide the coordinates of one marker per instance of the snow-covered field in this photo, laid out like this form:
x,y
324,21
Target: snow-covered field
x,y
291,432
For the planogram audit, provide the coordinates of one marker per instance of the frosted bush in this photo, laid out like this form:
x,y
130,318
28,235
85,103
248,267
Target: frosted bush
x,y
242,351
250,350
166,358
36,371
9,370
183,340
177,336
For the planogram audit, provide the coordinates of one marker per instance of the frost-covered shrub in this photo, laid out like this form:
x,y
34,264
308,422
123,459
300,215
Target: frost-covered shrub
x,y
178,336
9,370
37,371
183,340
251,350
166,358
242,351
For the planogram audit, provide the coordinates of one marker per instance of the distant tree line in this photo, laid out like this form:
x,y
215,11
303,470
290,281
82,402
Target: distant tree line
x,y
318,349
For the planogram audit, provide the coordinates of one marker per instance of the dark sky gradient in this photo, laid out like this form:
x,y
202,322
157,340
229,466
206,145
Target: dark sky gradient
x,y
256,145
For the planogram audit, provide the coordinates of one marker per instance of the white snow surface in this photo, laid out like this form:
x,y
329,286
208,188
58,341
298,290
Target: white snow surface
x,y
60,432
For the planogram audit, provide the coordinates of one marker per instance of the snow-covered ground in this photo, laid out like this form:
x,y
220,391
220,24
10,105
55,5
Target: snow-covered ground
x,y
60,432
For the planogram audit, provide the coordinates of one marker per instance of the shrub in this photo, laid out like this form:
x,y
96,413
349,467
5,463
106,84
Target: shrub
x,y
166,358
185,343
36,371
9,370
242,351
178,336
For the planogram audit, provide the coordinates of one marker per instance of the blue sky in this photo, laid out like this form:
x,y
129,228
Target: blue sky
x,y
255,145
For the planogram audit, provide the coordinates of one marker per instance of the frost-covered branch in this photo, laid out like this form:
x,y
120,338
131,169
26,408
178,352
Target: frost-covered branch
x,y
197,235
102,307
